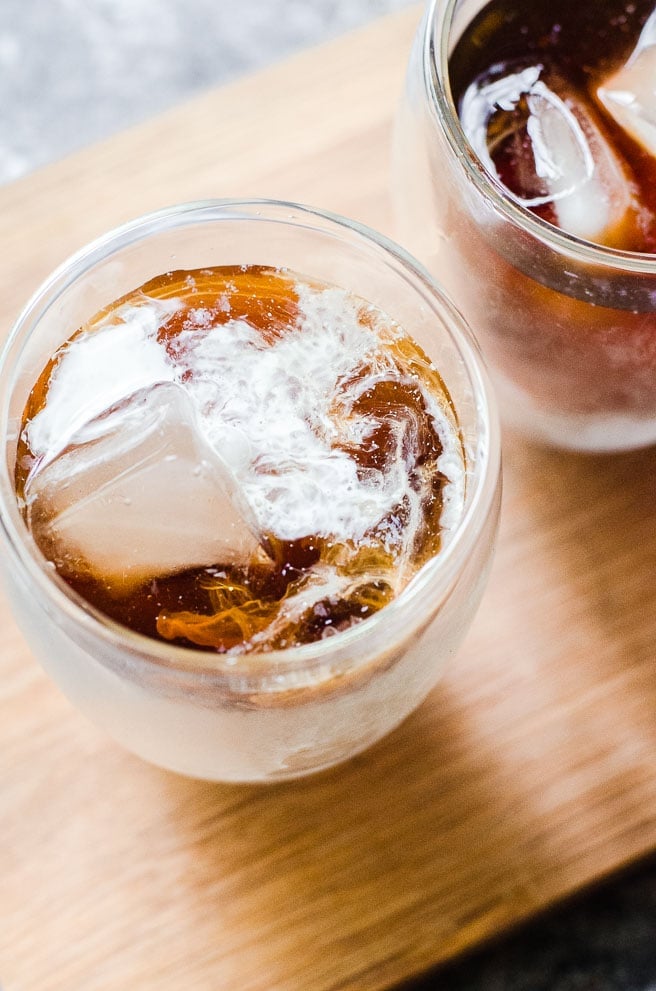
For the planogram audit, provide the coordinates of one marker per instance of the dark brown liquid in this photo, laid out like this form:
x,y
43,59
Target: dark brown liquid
x,y
223,607
579,42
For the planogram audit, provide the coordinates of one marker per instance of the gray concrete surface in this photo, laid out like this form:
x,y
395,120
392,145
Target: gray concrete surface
x,y
73,71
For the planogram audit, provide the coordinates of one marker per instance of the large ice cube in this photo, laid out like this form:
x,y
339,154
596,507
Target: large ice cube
x,y
540,138
116,355
139,493
629,95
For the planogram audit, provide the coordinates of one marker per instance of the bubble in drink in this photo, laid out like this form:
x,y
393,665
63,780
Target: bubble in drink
x,y
559,102
239,459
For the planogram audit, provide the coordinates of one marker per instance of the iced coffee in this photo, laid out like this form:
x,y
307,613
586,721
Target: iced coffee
x,y
533,151
250,486
239,459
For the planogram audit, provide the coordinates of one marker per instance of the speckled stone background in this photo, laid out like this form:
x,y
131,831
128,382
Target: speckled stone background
x,y
73,71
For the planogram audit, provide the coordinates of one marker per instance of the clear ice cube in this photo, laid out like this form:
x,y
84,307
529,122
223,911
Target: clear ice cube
x,y
629,95
139,493
541,140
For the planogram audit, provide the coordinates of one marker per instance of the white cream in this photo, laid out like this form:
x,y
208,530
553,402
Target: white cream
x,y
274,413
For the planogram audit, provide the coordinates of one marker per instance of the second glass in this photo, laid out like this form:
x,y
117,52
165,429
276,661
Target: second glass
x,y
569,327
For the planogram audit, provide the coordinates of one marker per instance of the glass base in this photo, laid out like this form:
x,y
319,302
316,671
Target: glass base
x,y
600,433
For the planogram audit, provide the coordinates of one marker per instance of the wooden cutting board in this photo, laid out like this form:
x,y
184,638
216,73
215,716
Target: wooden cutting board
x,y
529,772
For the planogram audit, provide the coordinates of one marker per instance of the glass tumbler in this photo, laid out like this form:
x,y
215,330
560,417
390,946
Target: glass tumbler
x,y
285,713
568,327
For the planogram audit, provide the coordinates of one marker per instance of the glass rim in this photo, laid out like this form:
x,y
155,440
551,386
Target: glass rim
x,y
436,29
189,661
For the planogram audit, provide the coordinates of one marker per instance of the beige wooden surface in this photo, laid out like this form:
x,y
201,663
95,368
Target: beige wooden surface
x,y
528,773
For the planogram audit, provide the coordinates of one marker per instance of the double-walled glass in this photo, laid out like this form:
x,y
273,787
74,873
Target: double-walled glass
x,y
284,713
568,327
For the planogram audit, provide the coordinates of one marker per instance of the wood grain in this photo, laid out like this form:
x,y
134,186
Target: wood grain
x,y
529,772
